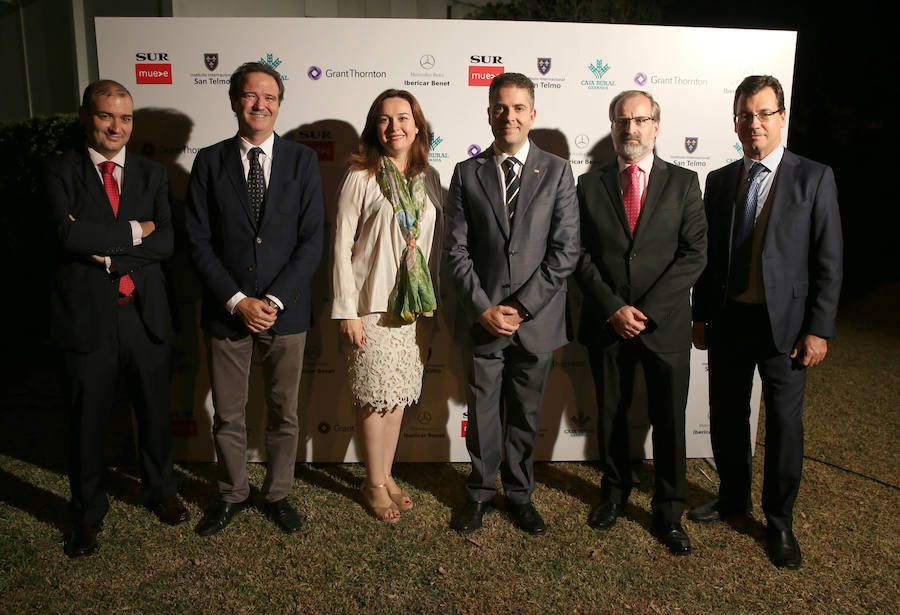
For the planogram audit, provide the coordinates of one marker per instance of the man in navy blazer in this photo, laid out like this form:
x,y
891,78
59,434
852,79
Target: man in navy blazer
x,y
254,223
109,307
511,240
643,234
767,300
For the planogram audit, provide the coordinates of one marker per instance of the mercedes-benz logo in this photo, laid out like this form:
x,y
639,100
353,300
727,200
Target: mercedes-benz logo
x,y
427,61
582,141
424,417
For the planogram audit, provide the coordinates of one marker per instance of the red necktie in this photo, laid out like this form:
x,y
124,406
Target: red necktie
x,y
632,195
126,286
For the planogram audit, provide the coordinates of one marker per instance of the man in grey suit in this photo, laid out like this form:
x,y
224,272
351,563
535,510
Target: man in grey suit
x,y
644,245
767,300
511,241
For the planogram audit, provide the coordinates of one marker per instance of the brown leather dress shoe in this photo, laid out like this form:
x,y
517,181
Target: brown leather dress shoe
x,y
84,540
170,510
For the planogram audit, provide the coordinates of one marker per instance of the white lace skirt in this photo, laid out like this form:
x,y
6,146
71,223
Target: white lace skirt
x,y
387,371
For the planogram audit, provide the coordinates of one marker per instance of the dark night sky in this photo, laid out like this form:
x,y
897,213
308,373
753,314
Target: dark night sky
x,y
843,97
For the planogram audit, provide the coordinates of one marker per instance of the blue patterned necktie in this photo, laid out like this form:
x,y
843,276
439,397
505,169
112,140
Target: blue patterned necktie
x,y
256,184
512,181
742,232
743,225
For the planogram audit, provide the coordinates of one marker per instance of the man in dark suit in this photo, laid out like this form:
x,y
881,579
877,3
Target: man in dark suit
x,y
254,223
511,241
767,300
644,245
109,306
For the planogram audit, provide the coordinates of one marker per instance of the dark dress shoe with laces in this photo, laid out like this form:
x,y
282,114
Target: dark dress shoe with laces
x,y
84,540
219,516
527,518
716,511
673,537
469,518
783,549
284,516
603,516
170,510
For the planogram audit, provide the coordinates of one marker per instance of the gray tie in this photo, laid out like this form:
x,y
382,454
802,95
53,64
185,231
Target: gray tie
x,y
512,185
256,184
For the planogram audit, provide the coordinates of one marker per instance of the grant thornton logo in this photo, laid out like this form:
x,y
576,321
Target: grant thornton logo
x,y
314,73
640,79
473,150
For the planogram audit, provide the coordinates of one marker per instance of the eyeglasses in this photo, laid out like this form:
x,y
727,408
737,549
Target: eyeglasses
x,y
764,116
624,122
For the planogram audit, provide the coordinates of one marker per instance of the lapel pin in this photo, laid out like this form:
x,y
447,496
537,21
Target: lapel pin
x,y
537,170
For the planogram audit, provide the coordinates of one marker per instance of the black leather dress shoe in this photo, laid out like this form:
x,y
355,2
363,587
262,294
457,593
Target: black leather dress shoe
x,y
527,518
469,518
673,537
219,516
783,549
715,511
170,510
603,516
284,516
84,539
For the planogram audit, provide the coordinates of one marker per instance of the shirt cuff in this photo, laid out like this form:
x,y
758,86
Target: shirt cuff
x,y
136,232
232,303
277,301
108,262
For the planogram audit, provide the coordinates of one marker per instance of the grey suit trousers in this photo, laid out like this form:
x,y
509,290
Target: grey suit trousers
x,y
229,368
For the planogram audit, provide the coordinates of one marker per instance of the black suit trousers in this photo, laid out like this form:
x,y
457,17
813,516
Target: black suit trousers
x,y
667,375
131,352
740,341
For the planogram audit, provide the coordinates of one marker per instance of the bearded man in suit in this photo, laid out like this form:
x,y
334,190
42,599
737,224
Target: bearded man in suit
x,y
644,246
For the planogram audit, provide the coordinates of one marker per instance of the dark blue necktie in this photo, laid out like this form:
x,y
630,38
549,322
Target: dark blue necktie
x,y
742,232
256,185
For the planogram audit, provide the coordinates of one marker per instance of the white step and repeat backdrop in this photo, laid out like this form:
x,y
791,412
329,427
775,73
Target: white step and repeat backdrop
x,y
178,70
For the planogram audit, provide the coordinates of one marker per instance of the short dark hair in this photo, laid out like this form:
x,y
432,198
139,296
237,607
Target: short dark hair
x,y
240,75
654,106
753,84
515,80
369,153
103,87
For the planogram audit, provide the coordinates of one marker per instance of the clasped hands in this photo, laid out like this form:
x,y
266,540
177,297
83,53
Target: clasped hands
x,y
628,321
502,320
256,314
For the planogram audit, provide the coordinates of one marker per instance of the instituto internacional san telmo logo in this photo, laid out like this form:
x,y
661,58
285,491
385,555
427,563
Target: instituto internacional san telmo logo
x,y
598,70
690,144
543,65
211,61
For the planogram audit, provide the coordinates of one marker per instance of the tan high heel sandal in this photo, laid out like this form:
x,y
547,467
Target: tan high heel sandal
x,y
379,512
402,499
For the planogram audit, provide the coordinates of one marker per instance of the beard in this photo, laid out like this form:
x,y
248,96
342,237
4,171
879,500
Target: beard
x,y
632,149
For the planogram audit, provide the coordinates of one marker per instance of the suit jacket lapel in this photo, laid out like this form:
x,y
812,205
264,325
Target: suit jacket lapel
x,y
132,185
90,179
658,178
784,180
610,179
490,183
276,186
532,177
231,162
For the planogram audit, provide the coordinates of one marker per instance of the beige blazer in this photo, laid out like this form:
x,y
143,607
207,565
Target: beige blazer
x,y
368,243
